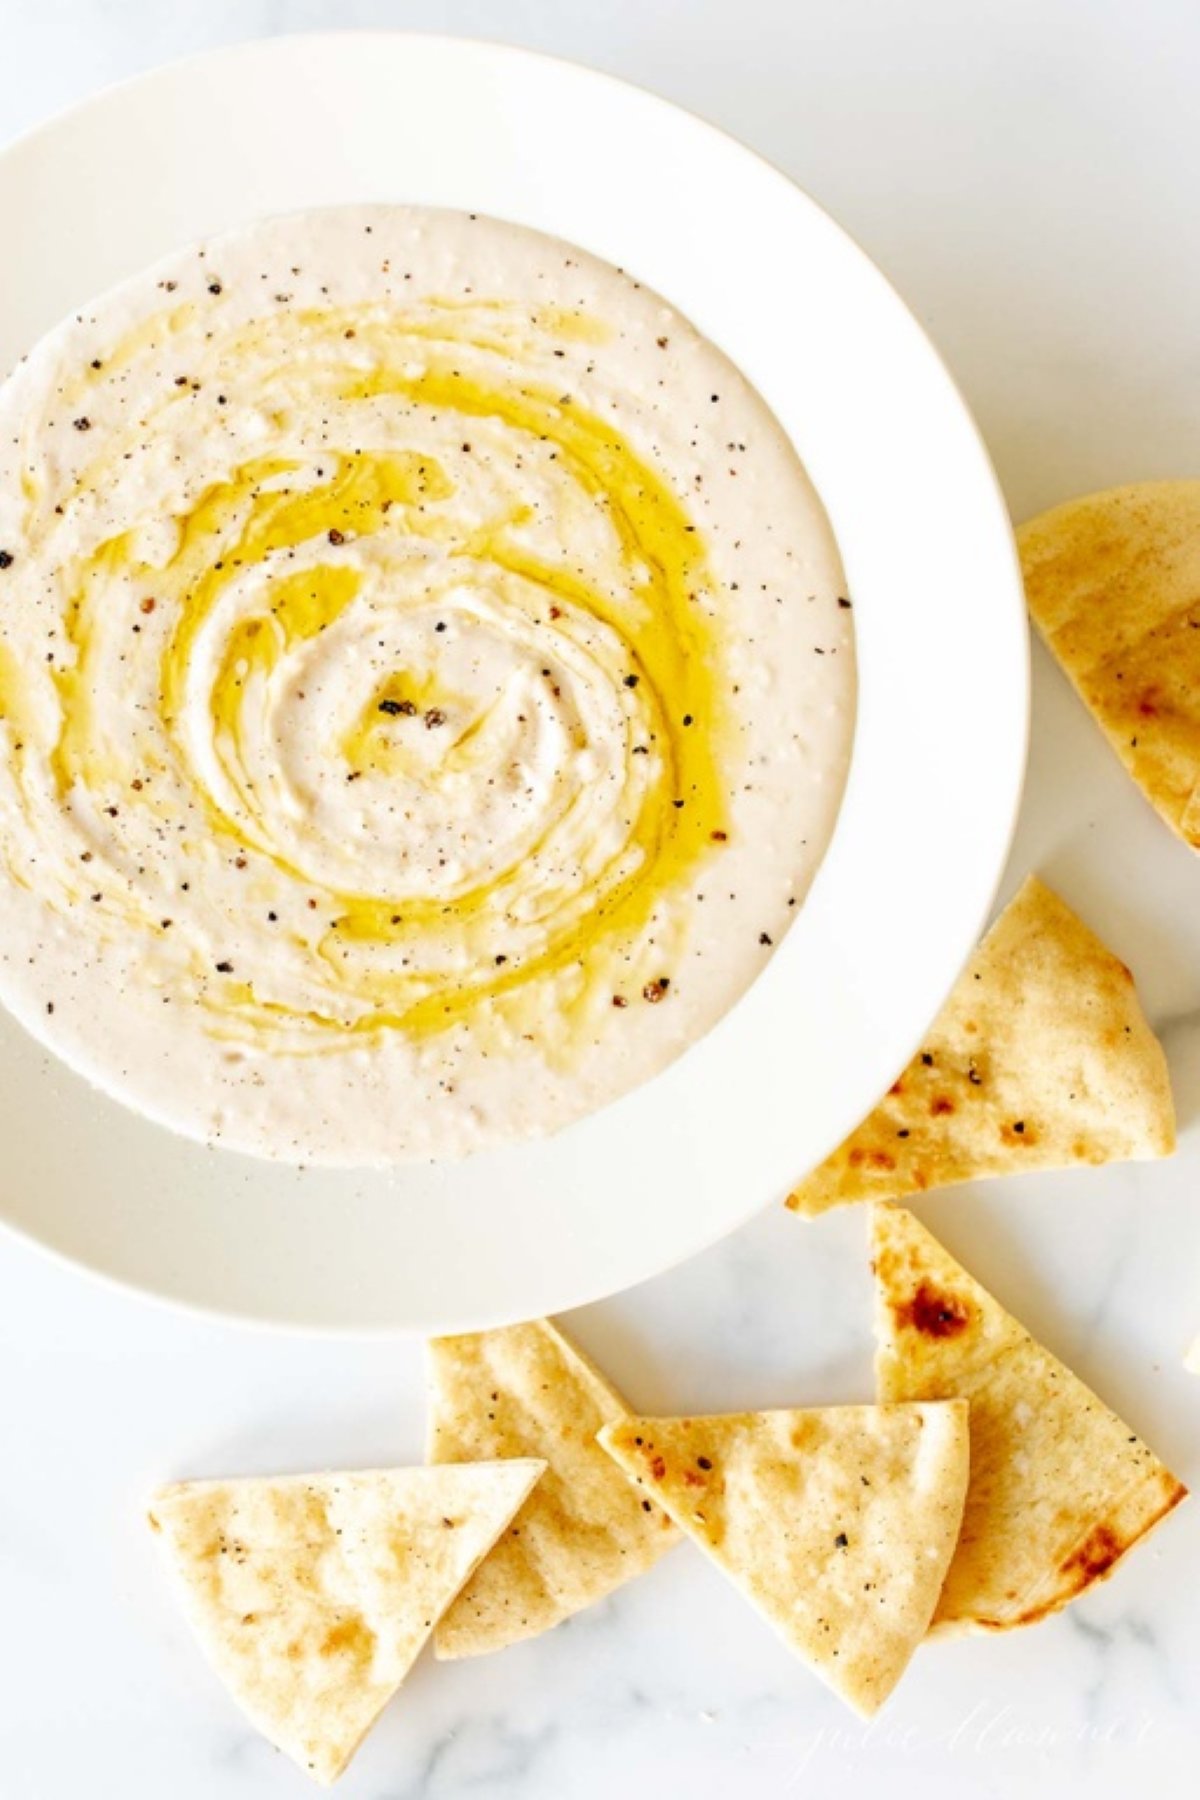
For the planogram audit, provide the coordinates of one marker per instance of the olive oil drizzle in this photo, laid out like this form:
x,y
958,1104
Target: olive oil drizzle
x,y
656,633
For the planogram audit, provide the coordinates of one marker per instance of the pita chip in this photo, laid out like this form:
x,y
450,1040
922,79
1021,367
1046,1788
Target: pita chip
x,y
837,1524
1113,583
312,1595
1041,1058
1060,1486
528,1391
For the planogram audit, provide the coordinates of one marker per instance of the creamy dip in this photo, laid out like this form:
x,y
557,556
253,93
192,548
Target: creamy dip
x,y
426,681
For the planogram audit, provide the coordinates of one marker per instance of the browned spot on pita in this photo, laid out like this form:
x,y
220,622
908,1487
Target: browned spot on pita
x,y
351,1635
1094,1557
873,1159
936,1314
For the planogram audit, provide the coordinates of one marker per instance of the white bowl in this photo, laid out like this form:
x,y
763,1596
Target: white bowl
x,y
942,704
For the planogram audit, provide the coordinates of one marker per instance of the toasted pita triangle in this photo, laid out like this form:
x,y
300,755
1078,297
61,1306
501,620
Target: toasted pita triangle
x,y
1040,1058
837,1524
1060,1486
311,1595
528,1391
1113,583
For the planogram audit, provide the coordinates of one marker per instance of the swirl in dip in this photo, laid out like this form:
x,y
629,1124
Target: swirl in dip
x,y
426,685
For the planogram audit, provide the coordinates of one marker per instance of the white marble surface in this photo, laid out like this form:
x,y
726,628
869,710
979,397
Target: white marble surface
x,y
1026,174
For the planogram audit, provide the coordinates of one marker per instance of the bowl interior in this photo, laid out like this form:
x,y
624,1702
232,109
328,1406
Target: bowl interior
x,y
942,702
